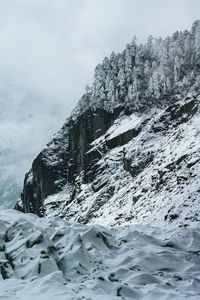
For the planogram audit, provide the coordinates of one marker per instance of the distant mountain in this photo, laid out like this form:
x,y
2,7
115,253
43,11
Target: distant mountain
x,y
129,153
27,122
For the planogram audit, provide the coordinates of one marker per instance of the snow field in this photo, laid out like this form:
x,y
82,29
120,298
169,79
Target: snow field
x,y
54,259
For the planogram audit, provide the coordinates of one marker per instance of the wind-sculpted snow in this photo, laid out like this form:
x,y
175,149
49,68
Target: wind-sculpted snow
x,y
54,259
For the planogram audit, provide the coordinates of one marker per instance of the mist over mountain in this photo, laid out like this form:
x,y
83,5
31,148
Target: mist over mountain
x,y
28,119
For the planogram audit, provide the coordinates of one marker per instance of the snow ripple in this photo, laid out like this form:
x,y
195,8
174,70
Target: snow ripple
x,y
54,259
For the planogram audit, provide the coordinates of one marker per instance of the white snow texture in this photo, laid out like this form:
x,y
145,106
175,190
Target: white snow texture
x,y
54,259
162,186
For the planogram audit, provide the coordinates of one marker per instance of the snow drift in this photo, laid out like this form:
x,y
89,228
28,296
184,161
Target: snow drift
x,y
54,259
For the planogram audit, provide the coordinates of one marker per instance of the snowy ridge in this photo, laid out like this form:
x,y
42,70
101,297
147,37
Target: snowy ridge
x,y
54,259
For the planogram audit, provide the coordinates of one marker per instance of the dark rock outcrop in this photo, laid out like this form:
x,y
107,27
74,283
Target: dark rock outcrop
x,y
66,156
72,158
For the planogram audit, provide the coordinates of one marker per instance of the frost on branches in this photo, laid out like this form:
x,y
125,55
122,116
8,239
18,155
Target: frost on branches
x,y
158,72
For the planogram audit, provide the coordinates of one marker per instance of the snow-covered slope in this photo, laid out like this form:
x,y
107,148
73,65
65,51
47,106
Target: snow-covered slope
x,y
151,179
54,259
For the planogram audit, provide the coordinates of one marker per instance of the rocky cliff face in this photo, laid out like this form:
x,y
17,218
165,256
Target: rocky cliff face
x,y
64,158
120,168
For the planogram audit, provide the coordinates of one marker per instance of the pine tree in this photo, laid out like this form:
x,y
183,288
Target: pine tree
x,y
121,83
128,64
148,74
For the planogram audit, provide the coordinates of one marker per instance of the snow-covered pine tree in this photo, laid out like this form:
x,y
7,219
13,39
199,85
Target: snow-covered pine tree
x,y
145,75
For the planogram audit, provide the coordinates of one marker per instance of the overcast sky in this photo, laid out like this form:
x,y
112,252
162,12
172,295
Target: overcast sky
x,y
54,45
48,52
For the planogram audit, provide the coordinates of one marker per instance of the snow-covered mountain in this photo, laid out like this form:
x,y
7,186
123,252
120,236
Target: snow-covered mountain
x,y
129,153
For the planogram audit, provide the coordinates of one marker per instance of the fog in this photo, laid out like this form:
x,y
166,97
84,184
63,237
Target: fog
x,y
49,49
